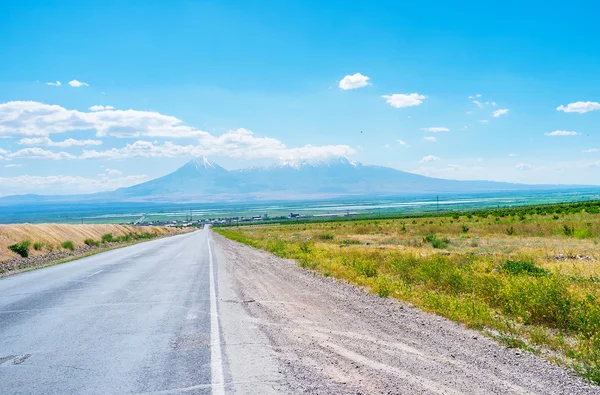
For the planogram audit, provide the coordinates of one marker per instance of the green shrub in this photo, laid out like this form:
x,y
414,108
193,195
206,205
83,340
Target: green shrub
x,y
435,242
325,236
523,267
440,243
350,241
429,238
108,238
68,245
38,245
465,228
510,231
568,230
91,242
21,248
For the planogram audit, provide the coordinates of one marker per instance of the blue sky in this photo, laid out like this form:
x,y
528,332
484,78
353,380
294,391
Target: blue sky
x,y
256,82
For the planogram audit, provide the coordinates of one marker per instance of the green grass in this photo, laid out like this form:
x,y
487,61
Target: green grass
x,y
499,275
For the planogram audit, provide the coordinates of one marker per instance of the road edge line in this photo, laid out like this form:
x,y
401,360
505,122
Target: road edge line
x,y
216,363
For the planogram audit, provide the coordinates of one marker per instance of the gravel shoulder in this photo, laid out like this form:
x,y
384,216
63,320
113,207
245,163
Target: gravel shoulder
x,y
331,337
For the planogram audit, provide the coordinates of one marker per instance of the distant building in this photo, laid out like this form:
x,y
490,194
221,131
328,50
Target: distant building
x,y
292,215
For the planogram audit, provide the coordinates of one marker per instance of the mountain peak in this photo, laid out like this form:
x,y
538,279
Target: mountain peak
x,y
202,162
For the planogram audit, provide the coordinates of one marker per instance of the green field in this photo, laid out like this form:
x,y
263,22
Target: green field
x,y
529,277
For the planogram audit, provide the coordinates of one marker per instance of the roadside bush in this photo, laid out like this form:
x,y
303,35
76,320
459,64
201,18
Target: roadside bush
x,y
440,243
523,267
91,242
21,248
108,238
68,245
568,230
38,245
326,236
435,242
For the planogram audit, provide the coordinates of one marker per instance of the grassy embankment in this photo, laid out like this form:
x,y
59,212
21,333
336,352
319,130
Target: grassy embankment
x,y
47,244
528,277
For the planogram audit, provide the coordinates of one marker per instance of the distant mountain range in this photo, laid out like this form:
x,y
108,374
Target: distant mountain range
x,y
201,180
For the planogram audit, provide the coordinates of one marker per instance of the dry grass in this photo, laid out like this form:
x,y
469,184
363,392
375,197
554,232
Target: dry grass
x,y
51,236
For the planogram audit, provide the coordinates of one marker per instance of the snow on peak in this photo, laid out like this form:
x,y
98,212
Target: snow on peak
x,y
327,162
202,162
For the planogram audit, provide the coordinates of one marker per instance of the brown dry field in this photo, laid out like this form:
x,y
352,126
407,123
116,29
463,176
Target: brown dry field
x,y
52,235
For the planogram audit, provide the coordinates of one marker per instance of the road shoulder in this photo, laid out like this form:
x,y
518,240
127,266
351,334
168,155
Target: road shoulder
x,y
332,337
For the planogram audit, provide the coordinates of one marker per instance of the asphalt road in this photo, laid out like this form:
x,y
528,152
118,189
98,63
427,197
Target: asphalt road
x,y
141,319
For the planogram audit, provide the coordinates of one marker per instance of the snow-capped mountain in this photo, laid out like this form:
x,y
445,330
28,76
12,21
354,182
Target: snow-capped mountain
x,y
202,180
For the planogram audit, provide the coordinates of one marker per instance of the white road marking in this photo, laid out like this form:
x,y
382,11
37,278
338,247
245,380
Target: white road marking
x,y
95,273
217,379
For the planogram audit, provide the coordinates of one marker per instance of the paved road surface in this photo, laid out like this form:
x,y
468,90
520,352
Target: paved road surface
x,y
199,314
140,319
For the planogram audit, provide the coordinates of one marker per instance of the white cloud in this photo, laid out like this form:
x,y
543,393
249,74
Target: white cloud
x,y
240,143
3,152
354,81
387,146
436,129
512,154
12,165
430,138
561,133
399,100
112,172
39,153
57,83
429,158
33,119
580,107
591,150
523,166
483,121
101,108
475,96
38,119
46,141
478,104
77,84
401,142
502,111
65,184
